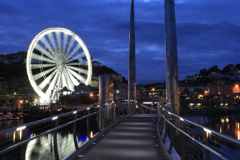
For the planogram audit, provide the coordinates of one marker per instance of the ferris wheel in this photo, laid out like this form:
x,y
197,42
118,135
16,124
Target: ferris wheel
x,y
57,58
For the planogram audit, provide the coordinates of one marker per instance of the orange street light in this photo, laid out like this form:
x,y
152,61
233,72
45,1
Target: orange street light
x,y
91,95
236,86
206,92
153,89
21,101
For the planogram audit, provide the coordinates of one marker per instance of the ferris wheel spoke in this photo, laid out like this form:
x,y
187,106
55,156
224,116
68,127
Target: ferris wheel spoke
x,y
59,77
41,74
75,57
65,37
41,49
74,51
64,81
78,69
82,79
75,82
58,35
52,84
47,45
47,80
69,82
38,57
50,36
76,63
69,46
36,66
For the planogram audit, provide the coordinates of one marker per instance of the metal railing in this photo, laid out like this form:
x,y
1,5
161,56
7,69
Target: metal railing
x,y
185,139
60,136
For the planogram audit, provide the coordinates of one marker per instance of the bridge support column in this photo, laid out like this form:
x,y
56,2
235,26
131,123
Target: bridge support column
x,y
105,95
132,65
172,88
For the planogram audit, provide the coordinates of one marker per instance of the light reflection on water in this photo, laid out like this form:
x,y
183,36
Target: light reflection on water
x,y
42,147
228,125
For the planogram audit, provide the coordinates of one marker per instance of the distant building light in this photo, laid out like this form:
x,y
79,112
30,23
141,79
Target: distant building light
x,y
147,102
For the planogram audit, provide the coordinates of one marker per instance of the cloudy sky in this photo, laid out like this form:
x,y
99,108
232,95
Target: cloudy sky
x,y
208,31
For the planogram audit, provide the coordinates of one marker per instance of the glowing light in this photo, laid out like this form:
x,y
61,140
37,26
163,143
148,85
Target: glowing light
x,y
21,101
169,113
238,125
88,108
207,130
20,128
153,89
14,136
206,92
117,91
91,134
74,112
54,118
181,119
227,120
91,95
236,86
20,134
220,129
222,120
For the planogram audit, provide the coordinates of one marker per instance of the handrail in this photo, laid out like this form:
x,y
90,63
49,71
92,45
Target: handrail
x,y
103,116
203,145
204,127
47,119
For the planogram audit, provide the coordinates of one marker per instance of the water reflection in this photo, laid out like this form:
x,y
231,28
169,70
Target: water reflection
x,y
42,147
228,125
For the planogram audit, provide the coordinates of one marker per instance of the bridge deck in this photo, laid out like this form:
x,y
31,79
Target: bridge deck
x,y
132,139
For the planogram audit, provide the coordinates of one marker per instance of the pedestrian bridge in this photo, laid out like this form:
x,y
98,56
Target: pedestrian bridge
x,y
116,130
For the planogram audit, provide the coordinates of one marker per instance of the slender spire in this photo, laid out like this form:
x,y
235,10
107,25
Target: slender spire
x,y
172,96
132,66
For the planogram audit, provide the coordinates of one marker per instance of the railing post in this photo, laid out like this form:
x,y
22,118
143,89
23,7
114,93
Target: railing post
x,y
23,148
171,137
87,125
55,141
113,112
205,141
74,132
165,133
183,156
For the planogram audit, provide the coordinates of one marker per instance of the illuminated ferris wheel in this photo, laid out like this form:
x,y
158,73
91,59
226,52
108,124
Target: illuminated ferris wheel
x,y
57,58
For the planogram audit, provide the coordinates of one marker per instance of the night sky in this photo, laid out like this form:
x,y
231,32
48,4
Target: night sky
x,y
208,31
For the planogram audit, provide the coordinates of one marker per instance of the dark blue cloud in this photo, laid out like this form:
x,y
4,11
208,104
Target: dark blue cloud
x,y
208,32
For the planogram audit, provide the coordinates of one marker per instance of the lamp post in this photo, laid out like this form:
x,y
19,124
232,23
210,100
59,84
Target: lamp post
x,y
194,100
